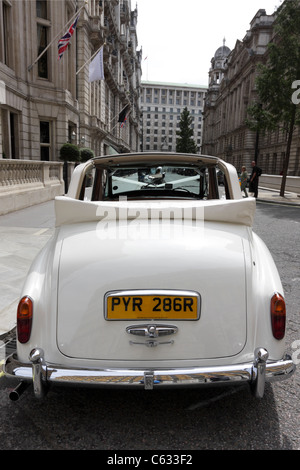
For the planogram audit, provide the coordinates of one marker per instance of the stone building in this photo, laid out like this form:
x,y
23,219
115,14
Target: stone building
x,y
47,102
161,108
231,91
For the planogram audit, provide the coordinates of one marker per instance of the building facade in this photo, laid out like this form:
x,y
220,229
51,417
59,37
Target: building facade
x,y
47,102
161,108
231,91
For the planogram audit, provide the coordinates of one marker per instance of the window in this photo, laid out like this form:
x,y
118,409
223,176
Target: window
x,y
41,44
14,135
144,181
43,26
5,35
45,141
41,9
10,133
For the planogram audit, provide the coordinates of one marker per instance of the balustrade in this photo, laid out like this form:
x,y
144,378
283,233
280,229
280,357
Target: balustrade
x,y
16,173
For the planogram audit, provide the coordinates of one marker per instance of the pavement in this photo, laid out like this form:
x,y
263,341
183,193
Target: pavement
x,y
22,235
271,195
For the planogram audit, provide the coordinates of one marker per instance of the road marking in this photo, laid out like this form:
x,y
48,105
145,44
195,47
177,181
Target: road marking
x,y
40,232
1,371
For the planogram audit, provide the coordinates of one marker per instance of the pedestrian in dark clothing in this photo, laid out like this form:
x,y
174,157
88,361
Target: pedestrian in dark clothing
x,y
253,183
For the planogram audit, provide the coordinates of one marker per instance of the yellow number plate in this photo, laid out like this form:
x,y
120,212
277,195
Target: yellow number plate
x,y
136,305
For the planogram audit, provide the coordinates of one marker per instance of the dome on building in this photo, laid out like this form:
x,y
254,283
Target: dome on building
x,y
222,52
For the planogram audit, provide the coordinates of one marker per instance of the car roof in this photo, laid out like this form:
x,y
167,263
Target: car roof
x,y
152,158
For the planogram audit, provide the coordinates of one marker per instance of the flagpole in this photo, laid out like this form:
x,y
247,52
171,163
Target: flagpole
x,y
54,39
91,58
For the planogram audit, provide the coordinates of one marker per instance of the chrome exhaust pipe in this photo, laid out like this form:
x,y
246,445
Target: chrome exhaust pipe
x,y
18,391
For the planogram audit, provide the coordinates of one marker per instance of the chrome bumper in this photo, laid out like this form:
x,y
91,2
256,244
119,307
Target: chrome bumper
x,y
256,374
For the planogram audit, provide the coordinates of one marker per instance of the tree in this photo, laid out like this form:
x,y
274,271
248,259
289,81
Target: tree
x,y
275,107
69,153
86,154
185,142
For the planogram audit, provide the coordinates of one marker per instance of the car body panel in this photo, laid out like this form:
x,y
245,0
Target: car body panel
x,y
197,262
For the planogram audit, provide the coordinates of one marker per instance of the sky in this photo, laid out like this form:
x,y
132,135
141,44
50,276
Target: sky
x,y
178,38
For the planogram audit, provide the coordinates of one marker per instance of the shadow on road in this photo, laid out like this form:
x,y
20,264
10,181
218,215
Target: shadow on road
x,y
217,418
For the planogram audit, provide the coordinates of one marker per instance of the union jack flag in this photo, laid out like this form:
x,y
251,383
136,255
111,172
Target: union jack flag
x,y
123,115
64,41
124,122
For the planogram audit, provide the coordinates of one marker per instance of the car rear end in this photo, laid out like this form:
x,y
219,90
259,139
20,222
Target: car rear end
x,y
127,311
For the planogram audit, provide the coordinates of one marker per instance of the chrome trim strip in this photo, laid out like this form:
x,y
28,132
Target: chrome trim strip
x,y
149,378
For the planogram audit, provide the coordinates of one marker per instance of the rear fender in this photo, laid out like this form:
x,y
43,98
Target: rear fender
x,y
266,281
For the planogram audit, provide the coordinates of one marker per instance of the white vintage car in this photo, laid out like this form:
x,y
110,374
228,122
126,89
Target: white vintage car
x,y
153,278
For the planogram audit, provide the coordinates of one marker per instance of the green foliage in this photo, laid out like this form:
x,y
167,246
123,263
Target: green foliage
x,y
275,78
86,154
260,119
69,153
185,142
274,107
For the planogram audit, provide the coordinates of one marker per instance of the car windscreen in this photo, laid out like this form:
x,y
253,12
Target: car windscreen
x,y
160,181
157,181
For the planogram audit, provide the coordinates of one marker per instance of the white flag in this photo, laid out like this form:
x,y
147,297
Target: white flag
x,y
96,71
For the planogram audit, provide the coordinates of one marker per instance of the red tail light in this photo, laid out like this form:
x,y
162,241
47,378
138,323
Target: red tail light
x,y
278,316
24,319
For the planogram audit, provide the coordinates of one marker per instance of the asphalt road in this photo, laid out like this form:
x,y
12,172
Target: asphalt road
x,y
173,421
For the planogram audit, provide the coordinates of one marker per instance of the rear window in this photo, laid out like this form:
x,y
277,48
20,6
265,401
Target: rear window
x,y
154,182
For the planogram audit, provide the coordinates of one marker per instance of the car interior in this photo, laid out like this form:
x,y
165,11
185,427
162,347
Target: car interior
x,y
104,182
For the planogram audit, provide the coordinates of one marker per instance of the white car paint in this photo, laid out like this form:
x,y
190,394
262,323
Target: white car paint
x,y
150,246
